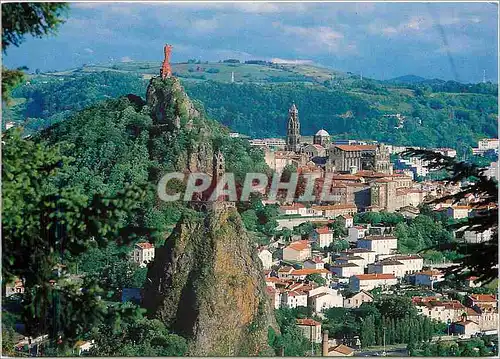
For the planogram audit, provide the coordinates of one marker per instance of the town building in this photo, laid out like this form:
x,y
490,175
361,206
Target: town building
x,y
465,328
355,300
370,281
294,299
412,262
388,266
274,296
458,212
311,329
322,236
143,253
346,220
428,278
323,298
379,244
266,257
346,270
477,236
285,272
314,150
314,263
352,158
322,138
15,287
445,311
368,255
293,130
335,210
357,232
357,260
299,251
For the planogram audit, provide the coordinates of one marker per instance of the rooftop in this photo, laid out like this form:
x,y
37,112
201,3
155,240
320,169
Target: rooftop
x,y
308,322
299,245
144,245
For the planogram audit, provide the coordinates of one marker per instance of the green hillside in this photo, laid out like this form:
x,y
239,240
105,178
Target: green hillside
x,y
433,112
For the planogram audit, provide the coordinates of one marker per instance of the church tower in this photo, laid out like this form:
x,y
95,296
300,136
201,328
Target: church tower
x,y
293,130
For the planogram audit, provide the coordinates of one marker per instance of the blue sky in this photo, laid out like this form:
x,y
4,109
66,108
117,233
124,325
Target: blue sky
x,y
383,40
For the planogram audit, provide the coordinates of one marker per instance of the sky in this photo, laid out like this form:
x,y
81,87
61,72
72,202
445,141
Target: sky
x,y
451,41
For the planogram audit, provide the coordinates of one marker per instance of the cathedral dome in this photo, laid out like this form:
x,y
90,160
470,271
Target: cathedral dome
x,y
322,133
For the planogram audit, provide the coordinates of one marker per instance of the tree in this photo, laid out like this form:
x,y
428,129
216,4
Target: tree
x,y
316,278
36,19
54,224
478,259
367,332
19,19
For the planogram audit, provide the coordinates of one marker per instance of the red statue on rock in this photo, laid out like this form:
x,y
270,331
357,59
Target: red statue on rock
x,y
166,69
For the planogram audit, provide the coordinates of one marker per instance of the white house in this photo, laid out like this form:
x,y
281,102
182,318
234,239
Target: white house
x,y
346,270
16,287
294,299
477,237
294,209
465,328
325,300
266,257
368,255
356,233
379,244
412,262
285,272
323,236
458,212
358,260
297,251
370,281
357,299
143,253
347,220
275,296
388,266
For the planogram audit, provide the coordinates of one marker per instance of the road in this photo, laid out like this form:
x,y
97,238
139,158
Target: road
x,y
390,353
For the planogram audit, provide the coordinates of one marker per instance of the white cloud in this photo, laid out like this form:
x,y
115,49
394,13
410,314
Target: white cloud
x,y
204,25
88,50
126,59
322,37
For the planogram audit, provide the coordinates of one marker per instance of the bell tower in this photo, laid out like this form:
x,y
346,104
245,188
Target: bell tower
x,y
293,130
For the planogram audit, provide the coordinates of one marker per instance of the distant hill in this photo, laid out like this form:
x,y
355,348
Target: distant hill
x,y
406,79
435,113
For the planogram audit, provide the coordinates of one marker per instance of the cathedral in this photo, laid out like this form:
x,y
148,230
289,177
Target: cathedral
x,y
335,157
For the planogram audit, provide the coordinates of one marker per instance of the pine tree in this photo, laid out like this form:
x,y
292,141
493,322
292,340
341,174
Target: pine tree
x,y
477,259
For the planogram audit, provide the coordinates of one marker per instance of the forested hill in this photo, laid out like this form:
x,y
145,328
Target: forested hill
x,y
433,112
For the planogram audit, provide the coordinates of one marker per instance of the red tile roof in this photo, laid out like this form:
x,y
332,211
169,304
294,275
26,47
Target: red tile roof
x,y
483,297
307,271
144,245
299,245
307,321
356,147
342,349
323,230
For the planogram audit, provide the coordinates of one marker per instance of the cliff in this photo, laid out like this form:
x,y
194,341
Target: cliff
x,y
206,284
178,127
206,281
